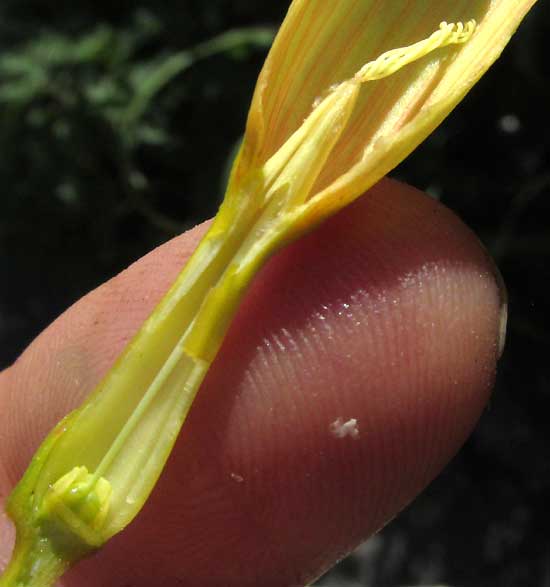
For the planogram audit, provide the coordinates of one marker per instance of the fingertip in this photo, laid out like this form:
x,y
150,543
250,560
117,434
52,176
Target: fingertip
x,y
384,321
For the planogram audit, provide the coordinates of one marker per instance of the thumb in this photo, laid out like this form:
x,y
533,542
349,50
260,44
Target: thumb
x,y
357,365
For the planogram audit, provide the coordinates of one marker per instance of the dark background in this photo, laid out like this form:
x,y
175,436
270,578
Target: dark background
x,y
118,121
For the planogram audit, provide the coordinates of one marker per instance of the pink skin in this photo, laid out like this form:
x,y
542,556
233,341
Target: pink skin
x,y
388,313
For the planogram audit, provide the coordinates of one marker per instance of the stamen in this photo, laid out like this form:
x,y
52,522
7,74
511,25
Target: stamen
x,y
392,61
300,160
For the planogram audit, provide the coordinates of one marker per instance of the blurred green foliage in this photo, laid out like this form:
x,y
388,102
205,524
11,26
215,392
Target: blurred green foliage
x,y
118,121
83,113
112,140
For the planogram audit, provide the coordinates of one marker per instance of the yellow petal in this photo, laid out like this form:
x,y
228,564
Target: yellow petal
x,y
326,42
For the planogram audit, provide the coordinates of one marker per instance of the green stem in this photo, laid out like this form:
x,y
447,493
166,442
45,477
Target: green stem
x,y
35,562
94,472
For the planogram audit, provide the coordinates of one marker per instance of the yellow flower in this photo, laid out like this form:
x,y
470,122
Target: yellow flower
x,y
348,90
324,43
